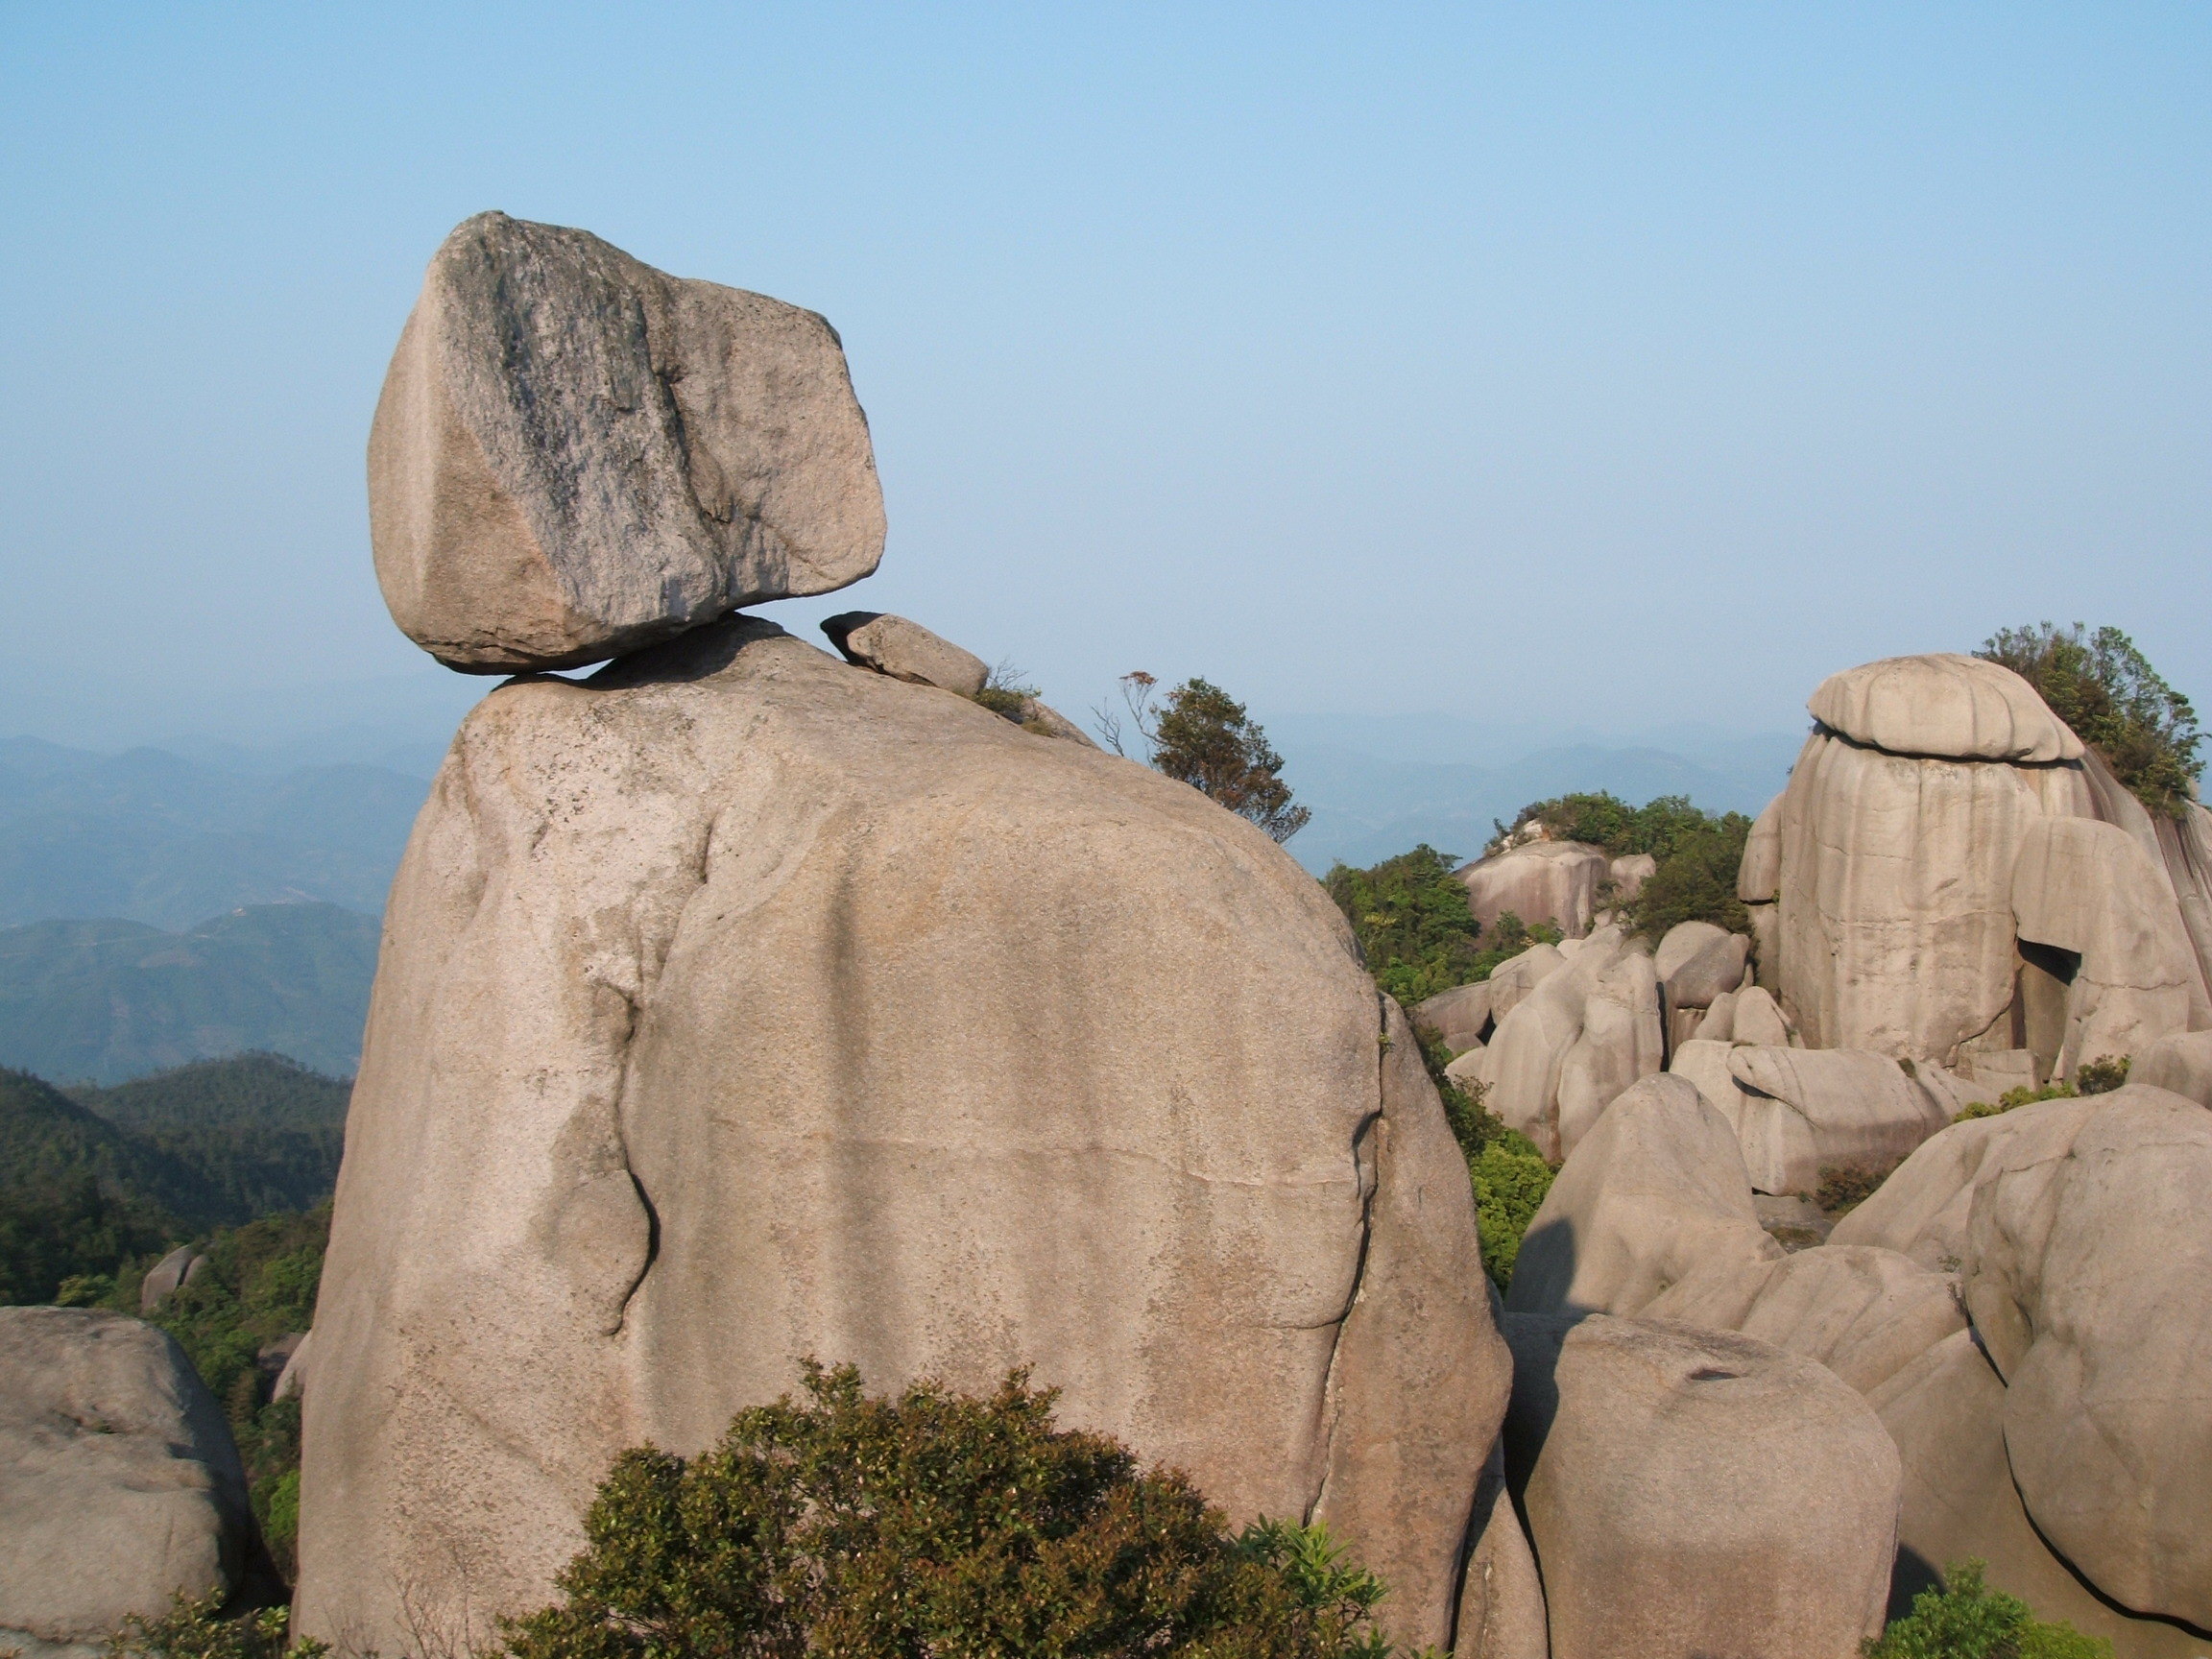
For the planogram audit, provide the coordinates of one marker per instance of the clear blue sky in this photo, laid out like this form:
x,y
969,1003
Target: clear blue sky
x,y
1611,364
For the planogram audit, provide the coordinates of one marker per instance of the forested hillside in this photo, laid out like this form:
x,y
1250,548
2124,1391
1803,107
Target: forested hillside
x,y
104,1000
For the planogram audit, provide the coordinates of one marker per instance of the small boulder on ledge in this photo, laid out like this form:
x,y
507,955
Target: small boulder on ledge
x,y
905,651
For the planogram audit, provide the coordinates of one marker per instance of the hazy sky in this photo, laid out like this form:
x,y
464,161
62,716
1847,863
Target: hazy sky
x,y
1607,363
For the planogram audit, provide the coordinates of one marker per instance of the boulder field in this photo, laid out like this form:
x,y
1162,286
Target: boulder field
x,y
742,1005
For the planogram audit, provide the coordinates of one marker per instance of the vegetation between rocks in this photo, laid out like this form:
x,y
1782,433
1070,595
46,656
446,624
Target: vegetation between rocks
x,y
935,1523
1510,1175
1415,931
2114,701
1967,1620
1202,736
1697,853
2099,1076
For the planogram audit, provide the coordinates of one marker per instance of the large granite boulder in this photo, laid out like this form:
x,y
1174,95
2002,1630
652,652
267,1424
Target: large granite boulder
x,y
1692,1492
1562,1053
119,1484
1954,707
1460,1016
739,1005
1864,1312
1655,1192
1922,1208
1555,881
2180,1065
2088,889
1799,1112
1514,979
576,455
2088,1275
1946,1413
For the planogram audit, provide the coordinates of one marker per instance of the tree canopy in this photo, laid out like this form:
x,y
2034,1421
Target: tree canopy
x,y
2114,701
1202,736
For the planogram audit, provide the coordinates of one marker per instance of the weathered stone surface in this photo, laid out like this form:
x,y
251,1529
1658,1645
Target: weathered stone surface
x,y
1656,1191
293,1378
1620,1043
1501,1601
1459,1015
1758,1020
2180,850
1953,1092
1684,941
905,651
119,1480
1759,878
1704,1062
1866,1313
1695,1492
1555,881
736,1006
1046,721
1629,872
576,455
1513,978
164,1276
1799,1111
1945,1412
1953,707
1717,1025
2088,888
2088,1275
2180,1065
1466,1069
1894,924
1717,967
1526,1052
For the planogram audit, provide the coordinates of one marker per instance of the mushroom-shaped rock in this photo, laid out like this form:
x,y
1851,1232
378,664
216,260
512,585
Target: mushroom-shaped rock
x,y
576,455
2090,890
119,1480
905,651
736,1006
1513,978
1800,1111
1893,931
1653,1193
1945,1412
2180,1065
1555,881
1952,706
1695,1492
2088,1275
1866,1313
1460,1016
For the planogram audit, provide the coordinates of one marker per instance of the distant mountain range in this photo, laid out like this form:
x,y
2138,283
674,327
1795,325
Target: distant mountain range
x,y
149,836
107,1000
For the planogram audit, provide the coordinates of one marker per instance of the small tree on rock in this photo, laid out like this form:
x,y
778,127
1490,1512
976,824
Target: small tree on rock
x,y
1205,740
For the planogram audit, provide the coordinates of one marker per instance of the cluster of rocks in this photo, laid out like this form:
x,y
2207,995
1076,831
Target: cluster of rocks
x,y
743,1003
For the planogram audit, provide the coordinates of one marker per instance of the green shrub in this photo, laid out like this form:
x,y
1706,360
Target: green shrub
x,y
2097,1077
1206,739
1605,821
2113,699
1415,931
934,1524
1695,882
1966,1620
199,1631
1510,1182
2100,1077
1843,1188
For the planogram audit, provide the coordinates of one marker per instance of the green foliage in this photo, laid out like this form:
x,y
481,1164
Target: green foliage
x,y
1510,1175
932,1524
199,1631
1695,880
259,1283
2100,1077
1966,1620
1843,1188
2096,1077
76,1197
1605,821
2108,693
1510,1182
1008,694
1205,738
1413,923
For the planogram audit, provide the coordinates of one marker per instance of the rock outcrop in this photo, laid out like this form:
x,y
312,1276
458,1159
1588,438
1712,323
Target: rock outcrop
x,y
1459,1015
737,1004
576,455
1654,1192
119,1483
1580,1036
1693,1492
906,651
1553,882
1799,1112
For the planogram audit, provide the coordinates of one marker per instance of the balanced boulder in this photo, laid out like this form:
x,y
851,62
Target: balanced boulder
x,y
1693,1492
739,1006
906,651
119,1483
576,455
